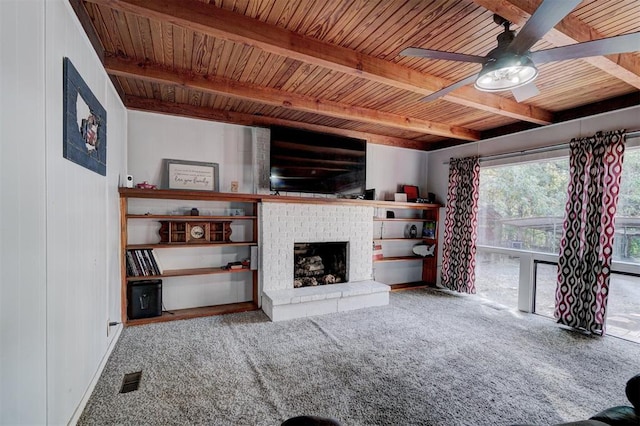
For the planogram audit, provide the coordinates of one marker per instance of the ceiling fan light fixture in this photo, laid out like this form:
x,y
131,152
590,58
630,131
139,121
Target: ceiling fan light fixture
x,y
506,73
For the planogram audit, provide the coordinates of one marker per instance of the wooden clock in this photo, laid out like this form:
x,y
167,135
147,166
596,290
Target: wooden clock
x,y
194,232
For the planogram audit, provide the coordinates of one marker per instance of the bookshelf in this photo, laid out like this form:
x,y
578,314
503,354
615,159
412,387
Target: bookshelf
x,y
209,233
393,240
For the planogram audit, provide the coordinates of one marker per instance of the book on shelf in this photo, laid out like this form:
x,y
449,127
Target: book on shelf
x,y
142,263
156,262
148,259
138,263
377,251
132,269
144,268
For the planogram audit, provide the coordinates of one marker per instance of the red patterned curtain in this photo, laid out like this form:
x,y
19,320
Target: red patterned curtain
x,y
584,265
461,225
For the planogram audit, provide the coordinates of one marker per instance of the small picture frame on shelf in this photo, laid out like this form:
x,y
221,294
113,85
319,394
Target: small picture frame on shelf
x,y
411,191
429,229
191,175
400,197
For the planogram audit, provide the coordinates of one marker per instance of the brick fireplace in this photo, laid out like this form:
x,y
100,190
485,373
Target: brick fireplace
x,y
285,224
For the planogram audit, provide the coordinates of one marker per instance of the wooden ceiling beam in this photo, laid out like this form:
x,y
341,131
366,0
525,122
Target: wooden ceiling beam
x,y
94,38
219,85
216,22
570,30
204,113
595,108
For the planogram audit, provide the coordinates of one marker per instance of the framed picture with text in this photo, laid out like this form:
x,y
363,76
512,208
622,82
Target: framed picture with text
x,y
191,175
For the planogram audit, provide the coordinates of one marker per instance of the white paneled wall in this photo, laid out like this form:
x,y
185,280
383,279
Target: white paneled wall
x,y
116,174
82,234
22,214
60,232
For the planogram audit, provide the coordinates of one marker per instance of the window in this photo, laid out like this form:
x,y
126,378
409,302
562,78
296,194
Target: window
x,y
623,314
521,206
521,212
497,278
627,238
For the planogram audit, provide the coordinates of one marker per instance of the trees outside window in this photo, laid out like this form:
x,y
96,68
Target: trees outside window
x,y
522,206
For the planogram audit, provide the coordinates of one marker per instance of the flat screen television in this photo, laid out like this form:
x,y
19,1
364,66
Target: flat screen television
x,y
304,161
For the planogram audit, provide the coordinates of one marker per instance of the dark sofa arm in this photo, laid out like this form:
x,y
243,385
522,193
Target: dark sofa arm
x,y
618,416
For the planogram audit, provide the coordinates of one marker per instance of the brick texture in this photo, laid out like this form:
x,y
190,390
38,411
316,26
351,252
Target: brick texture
x,y
283,224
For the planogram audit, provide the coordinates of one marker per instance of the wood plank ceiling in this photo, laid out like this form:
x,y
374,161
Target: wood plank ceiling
x,y
333,65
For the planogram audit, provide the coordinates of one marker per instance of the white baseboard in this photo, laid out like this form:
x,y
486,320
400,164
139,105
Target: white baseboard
x,y
94,381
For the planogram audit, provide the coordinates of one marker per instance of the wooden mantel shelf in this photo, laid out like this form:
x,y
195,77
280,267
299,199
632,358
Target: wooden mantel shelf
x,y
173,194
176,194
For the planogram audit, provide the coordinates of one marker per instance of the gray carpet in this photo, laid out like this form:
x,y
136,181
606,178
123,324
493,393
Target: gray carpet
x,y
429,358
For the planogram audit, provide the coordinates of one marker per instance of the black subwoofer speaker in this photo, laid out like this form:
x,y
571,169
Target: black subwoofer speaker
x,y
144,299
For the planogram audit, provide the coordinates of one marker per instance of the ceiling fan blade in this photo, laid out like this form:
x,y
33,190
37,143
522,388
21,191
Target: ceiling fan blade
x,y
440,93
438,54
546,16
606,46
525,92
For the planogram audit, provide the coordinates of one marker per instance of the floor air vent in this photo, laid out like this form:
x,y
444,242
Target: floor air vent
x,y
131,382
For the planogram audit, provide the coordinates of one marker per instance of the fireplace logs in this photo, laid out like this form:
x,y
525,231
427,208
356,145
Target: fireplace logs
x,y
309,266
319,264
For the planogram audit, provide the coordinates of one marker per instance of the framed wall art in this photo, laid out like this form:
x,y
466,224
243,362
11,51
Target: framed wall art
x,y
192,175
84,123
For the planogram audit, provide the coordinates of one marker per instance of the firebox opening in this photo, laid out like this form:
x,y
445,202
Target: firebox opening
x,y
320,264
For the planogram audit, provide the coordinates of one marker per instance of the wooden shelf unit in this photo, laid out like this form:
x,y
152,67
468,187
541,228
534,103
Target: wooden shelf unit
x,y
197,196
396,219
404,239
176,245
203,311
187,272
398,259
418,214
185,217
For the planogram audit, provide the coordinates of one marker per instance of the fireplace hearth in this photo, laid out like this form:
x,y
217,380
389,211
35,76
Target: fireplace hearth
x,y
282,224
320,264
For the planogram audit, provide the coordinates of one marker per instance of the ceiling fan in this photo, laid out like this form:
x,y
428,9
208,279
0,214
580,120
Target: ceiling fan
x,y
511,65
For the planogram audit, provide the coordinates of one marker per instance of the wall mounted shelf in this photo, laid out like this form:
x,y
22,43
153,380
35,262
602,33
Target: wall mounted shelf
x,y
159,197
